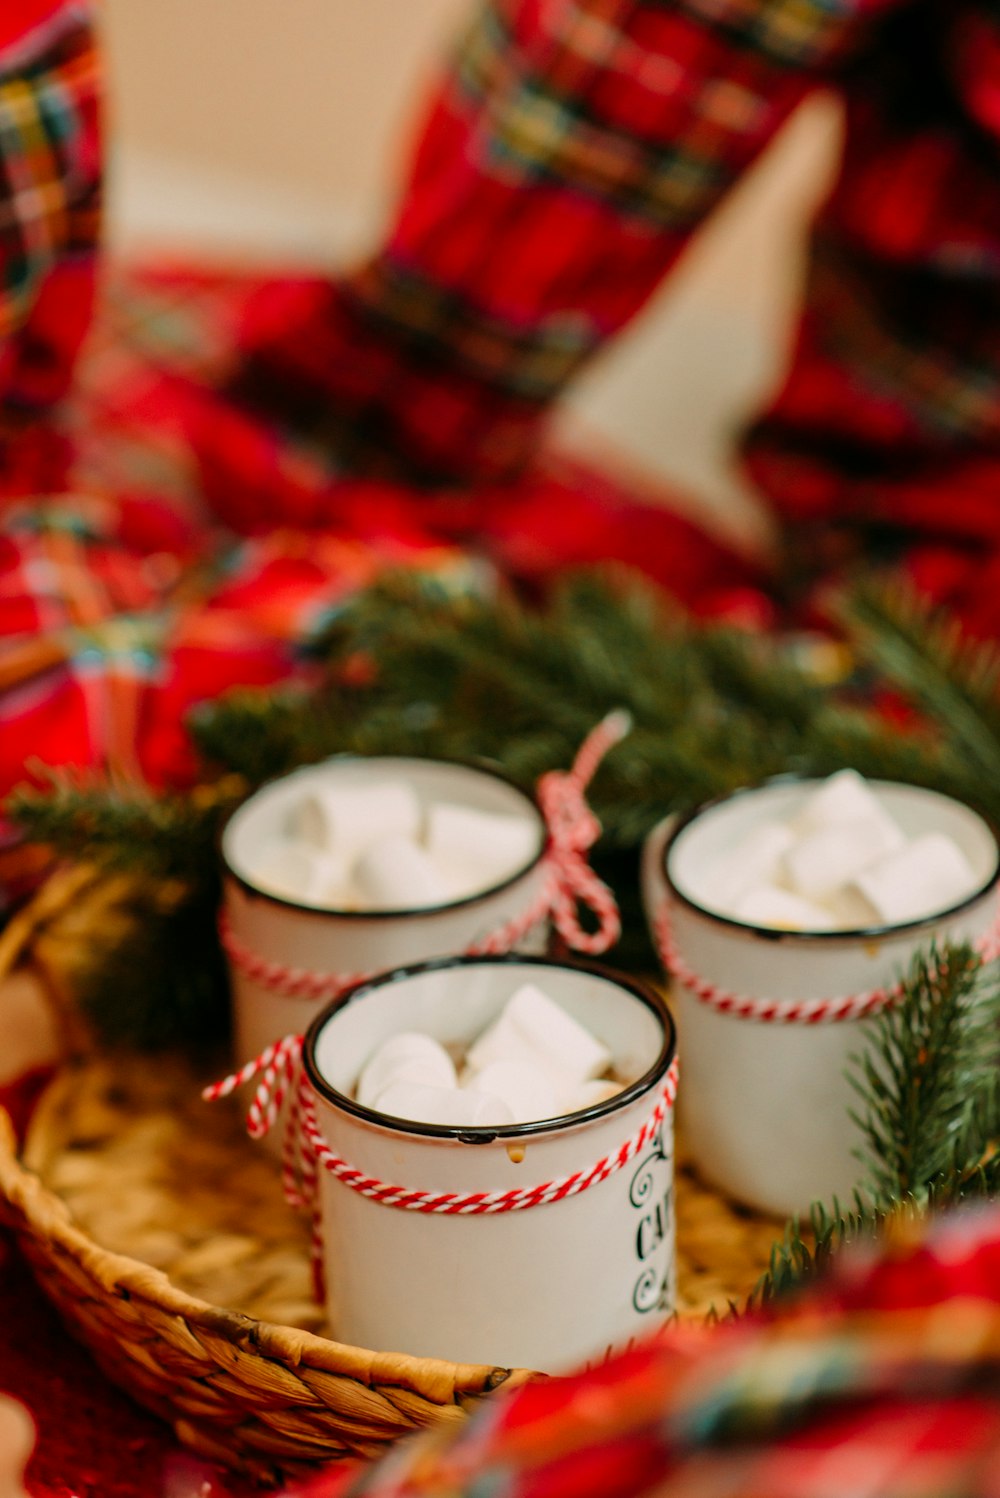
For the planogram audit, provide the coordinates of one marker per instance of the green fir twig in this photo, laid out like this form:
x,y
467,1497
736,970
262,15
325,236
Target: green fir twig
x,y
954,681
124,824
413,667
927,1072
929,1113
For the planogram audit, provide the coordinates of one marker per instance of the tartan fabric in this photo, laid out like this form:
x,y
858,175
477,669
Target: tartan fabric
x,y
50,197
883,1383
106,639
570,153
20,19
124,602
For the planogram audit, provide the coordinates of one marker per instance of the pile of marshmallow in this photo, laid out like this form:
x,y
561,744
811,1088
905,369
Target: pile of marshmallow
x,y
374,845
533,1062
840,863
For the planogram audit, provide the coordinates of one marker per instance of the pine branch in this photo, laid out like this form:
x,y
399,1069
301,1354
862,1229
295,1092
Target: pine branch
x,y
145,967
927,1077
930,1115
805,1253
140,956
411,667
262,733
954,681
123,824
713,709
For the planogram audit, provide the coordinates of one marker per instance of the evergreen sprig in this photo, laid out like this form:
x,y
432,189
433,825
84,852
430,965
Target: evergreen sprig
x,y
124,824
141,953
806,1250
413,667
143,962
492,678
922,652
926,1075
928,1086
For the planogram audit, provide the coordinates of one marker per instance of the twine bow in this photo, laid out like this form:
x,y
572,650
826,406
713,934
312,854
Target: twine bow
x,y
569,883
306,1150
279,1075
573,831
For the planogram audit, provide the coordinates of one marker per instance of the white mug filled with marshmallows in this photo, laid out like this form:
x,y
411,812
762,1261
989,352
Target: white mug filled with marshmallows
x,y
357,865
503,1131
785,912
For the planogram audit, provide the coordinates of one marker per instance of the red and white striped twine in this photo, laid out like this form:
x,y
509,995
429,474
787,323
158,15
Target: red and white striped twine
x,y
819,1011
485,1203
568,882
306,1147
278,1068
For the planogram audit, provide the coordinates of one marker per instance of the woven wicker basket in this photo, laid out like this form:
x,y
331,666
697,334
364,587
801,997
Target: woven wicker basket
x,y
163,1241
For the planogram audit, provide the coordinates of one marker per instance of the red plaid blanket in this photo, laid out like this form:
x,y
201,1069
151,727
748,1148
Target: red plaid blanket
x,y
127,600
570,153
50,196
884,1383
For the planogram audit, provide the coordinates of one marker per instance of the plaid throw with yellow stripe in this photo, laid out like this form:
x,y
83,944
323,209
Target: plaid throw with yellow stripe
x,y
50,197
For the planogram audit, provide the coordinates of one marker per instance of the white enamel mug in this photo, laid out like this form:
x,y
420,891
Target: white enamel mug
x,y
765,1105
270,938
549,1286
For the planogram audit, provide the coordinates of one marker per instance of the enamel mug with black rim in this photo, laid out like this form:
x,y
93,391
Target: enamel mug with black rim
x,y
289,956
765,1103
582,1266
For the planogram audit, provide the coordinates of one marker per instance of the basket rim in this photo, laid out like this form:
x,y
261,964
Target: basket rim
x,y
33,1209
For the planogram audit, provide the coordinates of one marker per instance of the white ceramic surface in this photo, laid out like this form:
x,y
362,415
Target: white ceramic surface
x,y
549,1287
300,934
765,1106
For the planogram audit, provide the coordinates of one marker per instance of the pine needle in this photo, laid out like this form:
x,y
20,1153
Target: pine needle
x,y
922,652
124,824
927,1078
929,1114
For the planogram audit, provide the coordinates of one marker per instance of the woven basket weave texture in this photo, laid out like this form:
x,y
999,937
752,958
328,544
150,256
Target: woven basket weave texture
x,y
160,1233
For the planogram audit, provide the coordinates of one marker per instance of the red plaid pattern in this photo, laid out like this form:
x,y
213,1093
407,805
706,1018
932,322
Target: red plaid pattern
x,y
567,158
50,196
122,604
884,1383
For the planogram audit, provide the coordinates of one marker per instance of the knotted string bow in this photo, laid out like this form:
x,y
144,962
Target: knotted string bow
x,y
573,831
568,882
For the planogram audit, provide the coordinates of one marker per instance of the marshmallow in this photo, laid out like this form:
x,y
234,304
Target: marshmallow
x,y
927,876
844,797
443,1105
523,1086
589,1094
823,861
478,848
295,871
408,1056
531,1027
395,874
850,910
780,910
755,859
346,818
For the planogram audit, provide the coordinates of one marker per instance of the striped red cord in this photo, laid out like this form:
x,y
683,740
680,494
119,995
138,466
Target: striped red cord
x,y
568,883
817,1011
306,1147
